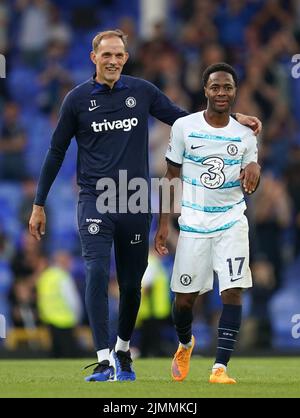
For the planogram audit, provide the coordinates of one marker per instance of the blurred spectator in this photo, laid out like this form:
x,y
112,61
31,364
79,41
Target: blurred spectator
x,y
25,268
155,310
59,304
23,303
271,215
59,31
232,19
278,136
274,15
264,281
84,16
246,102
4,20
5,280
26,260
34,29
160,132
200,30
25,208
6,248
54,80
12,144
28,186
159,58
153,18
5,16
192,12
128,26
261,80
293,180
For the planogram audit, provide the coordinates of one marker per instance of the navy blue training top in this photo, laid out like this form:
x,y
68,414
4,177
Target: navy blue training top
x,y
111,130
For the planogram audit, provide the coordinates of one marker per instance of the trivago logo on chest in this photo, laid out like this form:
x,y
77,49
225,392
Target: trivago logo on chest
x,y
125,124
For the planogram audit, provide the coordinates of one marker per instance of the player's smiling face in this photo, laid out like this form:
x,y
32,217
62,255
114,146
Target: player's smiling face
x,y
109,59
220,91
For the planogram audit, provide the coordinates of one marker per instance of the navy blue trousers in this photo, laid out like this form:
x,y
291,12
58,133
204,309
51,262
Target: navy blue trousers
x,y
130,235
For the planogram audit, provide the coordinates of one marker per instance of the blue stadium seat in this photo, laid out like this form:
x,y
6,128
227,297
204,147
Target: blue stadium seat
x,y
81,74
127,8
23,85
10,198
39,136
62,202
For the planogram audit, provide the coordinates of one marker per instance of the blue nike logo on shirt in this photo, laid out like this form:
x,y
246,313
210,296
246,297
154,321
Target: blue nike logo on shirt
x,y
198,146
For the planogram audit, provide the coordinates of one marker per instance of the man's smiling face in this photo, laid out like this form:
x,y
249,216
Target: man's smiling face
x,y
109,58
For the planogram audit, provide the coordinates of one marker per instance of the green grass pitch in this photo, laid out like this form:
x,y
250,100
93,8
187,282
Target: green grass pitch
x,y
257,377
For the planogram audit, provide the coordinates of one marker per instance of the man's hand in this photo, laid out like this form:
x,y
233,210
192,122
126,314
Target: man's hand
x,y
251,121
250,177
160,240
37,223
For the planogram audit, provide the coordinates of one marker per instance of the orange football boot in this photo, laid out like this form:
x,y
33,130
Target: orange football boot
x,y
220,376
181,362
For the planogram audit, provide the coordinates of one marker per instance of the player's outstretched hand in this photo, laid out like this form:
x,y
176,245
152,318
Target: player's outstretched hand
x,y
37,223
250,177
160,241
251,121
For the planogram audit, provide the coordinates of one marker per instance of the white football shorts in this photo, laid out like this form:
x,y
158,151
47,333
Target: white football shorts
x,y
227,254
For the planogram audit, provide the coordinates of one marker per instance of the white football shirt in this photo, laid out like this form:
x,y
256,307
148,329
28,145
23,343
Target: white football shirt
x,y
211,160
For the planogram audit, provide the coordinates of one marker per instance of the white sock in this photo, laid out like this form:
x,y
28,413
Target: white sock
x,y
218,366
122,345
186,346
103,355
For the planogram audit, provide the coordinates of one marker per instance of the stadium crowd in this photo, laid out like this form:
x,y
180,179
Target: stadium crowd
x,y
46,44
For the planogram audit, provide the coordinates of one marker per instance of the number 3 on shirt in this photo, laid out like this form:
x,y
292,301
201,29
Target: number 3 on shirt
x,y
215,177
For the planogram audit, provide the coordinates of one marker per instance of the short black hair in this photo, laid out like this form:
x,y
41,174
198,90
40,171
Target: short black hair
x,y
221,66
